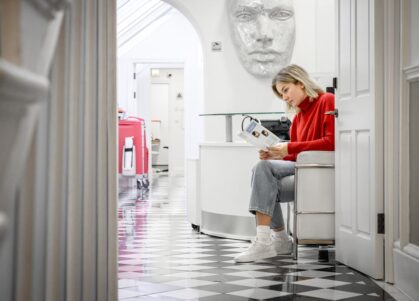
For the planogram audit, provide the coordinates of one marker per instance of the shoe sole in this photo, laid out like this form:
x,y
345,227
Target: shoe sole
x,y
259,258
285,252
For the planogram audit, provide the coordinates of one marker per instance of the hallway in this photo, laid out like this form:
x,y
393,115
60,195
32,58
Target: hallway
x,y
162,258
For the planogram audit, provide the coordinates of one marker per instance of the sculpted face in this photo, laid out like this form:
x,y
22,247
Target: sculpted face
x,y
263,32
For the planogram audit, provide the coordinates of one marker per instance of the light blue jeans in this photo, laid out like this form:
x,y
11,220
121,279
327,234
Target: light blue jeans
x,y
266,188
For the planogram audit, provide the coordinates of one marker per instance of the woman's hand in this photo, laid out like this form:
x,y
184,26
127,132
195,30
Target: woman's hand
x,y
264,154
277,152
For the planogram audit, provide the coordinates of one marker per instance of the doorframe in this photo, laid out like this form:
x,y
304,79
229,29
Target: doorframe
x,y
405,254
153,64
392,67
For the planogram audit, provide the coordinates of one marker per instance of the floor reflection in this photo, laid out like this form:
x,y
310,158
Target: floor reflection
x,y
162,258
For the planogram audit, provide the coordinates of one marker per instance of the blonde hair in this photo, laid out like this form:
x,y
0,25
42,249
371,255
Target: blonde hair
x,y
294,74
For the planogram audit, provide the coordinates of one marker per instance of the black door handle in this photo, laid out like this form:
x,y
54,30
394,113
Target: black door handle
x,y
335,112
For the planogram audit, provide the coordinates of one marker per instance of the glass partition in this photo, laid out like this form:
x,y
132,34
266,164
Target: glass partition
x,y
229,120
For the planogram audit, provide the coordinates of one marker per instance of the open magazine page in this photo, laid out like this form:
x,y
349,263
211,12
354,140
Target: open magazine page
x,y
259,136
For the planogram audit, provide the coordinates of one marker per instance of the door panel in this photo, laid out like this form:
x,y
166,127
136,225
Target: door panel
x,y
362,35
345,180
344,56
358,143
363,183
160,111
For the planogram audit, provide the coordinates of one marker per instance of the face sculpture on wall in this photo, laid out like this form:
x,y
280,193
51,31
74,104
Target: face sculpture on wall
x,y
263,32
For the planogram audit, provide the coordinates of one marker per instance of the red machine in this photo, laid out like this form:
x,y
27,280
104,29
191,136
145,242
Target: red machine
x,y
133,150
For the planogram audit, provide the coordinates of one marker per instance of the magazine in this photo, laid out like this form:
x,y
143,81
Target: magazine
x,y
258,135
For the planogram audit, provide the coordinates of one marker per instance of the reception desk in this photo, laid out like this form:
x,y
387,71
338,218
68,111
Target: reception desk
x,y
224,179
224,183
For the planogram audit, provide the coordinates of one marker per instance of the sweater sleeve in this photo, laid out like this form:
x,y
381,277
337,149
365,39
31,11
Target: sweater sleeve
x,y
293,135
327,140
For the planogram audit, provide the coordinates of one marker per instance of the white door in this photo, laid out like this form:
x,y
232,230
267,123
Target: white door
x,y
159,97
359,136
142,88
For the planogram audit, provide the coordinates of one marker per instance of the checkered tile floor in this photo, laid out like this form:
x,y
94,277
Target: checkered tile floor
x,y
162,258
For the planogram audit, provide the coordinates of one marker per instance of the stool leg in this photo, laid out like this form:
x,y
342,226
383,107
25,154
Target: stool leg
x,y
294,246
294,234
288,218
323,254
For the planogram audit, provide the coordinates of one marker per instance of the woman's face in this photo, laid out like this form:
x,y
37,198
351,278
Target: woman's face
x,y
292,94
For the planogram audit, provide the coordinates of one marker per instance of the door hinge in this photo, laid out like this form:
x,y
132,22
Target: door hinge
x,y
335,83
135,95
4,225
380,223
330,90
134,75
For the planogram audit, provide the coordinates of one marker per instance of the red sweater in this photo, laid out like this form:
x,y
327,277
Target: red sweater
x,y
311,129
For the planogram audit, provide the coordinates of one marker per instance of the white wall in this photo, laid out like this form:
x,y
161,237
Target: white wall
x,y
165,48
38,47
216,82
414,37
413,108
228,87
406,251
315,42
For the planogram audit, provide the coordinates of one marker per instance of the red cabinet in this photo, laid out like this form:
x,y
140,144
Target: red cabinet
x,y
133,127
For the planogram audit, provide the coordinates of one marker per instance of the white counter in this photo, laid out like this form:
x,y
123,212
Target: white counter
x,y
225,172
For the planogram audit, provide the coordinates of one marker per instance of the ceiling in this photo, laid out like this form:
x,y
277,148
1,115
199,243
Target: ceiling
x,y
137,16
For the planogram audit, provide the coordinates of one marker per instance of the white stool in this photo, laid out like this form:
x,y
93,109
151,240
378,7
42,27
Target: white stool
x,y
313,191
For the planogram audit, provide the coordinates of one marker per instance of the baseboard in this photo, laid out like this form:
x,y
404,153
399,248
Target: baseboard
x,y
406,273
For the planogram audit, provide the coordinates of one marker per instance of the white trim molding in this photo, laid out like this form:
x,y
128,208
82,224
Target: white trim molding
x,y
406,273
412,250
406,260
20,83
58,154
391,128
49,8
22,93
411,73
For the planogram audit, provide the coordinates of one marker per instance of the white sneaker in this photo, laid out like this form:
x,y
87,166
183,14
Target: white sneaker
x,y
282,246
256,251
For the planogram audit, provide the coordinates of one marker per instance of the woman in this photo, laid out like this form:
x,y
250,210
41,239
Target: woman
x,y
311,130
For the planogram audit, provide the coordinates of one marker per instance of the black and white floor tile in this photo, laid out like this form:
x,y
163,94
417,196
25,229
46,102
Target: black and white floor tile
x,y
162,258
